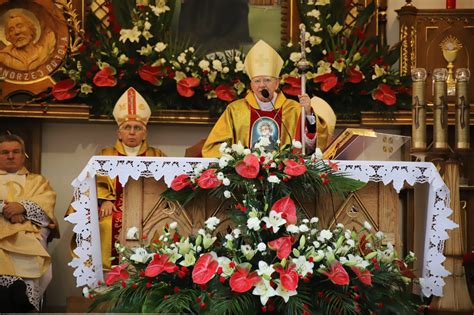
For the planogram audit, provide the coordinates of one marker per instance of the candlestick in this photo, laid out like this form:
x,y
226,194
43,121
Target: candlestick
x,y
302,65
440,109
462,132
419,109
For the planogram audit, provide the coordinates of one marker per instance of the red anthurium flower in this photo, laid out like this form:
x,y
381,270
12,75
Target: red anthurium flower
x,y
179,182
226,93
364,276
150,74
208,180
248,167
116,274
282,245
185,86
159,264
204,269
63,90
333,166
294,168
338,275
243,280
328,81
354,75
292,86
385,94
288,276
404,270
287,208
105,77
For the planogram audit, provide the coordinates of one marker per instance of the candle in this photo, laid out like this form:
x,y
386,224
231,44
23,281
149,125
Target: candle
x,y
440,109
418,76
450,4
462,139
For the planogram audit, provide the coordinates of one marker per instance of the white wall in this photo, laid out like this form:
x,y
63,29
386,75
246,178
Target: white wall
x,y
67,147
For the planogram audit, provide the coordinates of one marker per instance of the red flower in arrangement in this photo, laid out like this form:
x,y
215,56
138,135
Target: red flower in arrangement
x,y
225,92
354,75
338,275
179,182
292,86
385,94
249,167
243,280
288,276
150,74
208,179
287,208
294,168
282,245
185,86
364,276
328,81
204,269
105,77
116,274
404,270
63,90
159,264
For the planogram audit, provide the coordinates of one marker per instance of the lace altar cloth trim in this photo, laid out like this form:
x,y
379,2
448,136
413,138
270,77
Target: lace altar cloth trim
x,y
32,288
88,265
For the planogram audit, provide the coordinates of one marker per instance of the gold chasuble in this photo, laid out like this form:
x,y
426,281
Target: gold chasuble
x,y
111,189
21,252
240,122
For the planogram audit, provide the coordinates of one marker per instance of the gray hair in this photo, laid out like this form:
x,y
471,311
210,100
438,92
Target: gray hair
x,y
13,138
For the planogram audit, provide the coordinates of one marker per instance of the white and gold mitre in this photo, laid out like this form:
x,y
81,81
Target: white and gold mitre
x,y
262,59
131,106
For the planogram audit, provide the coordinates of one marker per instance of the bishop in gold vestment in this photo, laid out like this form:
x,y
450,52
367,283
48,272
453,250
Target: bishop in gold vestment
x,y
264,105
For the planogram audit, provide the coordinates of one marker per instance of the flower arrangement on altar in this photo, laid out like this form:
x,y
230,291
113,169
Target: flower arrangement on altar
x,y
134,46
274,259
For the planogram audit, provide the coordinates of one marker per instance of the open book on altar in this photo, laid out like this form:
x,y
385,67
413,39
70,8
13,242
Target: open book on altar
x,y
366,144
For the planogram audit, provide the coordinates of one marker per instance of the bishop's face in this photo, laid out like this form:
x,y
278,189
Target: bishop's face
x,y
12,157
260,83
132,133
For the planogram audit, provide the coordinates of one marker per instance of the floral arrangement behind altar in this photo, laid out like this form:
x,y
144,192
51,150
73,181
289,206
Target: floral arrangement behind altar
x,y
135,47
274,259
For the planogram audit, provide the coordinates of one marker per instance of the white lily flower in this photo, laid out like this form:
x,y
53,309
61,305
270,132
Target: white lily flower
x,y
132,35
284,293
140,255
248,251
274,221
160,7
264,290
185,246
160,46
208,240
238,148
303,267
265,270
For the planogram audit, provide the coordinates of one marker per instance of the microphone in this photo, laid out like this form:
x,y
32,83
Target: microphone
x,y
266,94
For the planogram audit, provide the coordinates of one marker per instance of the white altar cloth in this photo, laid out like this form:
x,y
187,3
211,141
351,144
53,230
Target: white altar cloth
x,y
88,263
